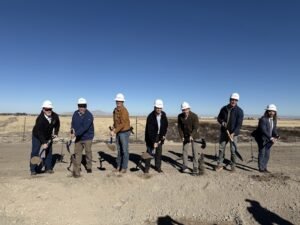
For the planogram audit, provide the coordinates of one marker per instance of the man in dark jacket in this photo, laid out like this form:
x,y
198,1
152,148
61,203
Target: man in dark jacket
x,y
155,133
188,125
231,119
83,129
266,135
45,129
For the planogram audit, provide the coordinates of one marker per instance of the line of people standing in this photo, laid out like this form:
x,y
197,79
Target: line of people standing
x,y
230,119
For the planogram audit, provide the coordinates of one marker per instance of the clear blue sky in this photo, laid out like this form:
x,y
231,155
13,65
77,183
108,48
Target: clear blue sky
x,y
195,51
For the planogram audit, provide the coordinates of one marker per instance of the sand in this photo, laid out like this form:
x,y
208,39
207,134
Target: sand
x,y
104,197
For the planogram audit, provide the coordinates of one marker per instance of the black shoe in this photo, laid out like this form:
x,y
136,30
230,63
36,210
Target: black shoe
x,y
261,171
33,173
159,170
89,170
266,171
49,171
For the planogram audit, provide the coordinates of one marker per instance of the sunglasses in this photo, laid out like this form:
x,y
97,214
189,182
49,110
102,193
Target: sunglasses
x,y
47,109
233,100
81,105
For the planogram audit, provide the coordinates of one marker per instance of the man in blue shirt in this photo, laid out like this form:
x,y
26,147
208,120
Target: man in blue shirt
x,y
82,128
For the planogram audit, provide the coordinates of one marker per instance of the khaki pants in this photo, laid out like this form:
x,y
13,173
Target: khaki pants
x,y
79,146
187,147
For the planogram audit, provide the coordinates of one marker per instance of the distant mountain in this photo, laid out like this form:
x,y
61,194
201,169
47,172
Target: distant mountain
x,y
100,113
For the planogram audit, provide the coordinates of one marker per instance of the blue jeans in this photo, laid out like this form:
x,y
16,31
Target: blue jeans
x,y
35,151
264,155
122,140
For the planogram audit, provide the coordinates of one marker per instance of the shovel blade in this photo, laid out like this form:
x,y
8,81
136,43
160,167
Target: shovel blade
x,y
111,147
236,152
146,155
35,160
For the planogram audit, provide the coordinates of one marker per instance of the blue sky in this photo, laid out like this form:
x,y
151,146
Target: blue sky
x,y
195,51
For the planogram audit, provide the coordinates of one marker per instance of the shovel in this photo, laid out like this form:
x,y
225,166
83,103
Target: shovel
x,y
235,147
72,158
36,160
110,144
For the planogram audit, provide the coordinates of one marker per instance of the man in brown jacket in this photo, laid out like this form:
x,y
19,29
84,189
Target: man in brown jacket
x,y
188,124
122,131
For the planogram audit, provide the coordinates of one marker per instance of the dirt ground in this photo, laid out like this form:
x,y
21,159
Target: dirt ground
x,y
103,197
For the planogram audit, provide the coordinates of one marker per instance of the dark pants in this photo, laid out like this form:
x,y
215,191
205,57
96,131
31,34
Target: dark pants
x,y
35,151
157,155
264,155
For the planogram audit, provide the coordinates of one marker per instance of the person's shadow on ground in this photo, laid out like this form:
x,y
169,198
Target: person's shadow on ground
x,y
263,216
167,220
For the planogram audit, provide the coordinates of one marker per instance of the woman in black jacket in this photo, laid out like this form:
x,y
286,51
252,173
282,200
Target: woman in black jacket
x,y
155,132
45,129
266,135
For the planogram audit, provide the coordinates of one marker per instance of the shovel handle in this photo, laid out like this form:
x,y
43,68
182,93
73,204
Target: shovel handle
x,y
229,136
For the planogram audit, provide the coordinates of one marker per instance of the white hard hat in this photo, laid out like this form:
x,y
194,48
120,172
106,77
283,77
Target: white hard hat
x,y
81,101
271,107
235,96
120,97
185,105
47,104
158,103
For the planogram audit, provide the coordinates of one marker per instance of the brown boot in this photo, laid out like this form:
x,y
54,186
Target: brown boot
x,y
123,170
116,170
218,168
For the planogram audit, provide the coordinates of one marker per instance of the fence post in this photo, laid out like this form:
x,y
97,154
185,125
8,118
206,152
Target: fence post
x,y
24,128
136,130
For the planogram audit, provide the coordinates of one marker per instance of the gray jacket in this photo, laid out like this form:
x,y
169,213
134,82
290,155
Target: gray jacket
x,y
264,133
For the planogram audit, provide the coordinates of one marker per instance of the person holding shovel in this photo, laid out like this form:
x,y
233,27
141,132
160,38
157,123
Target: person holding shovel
x,y
155,135
45,129
231,119
82,127
121,128
266,135
188,125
